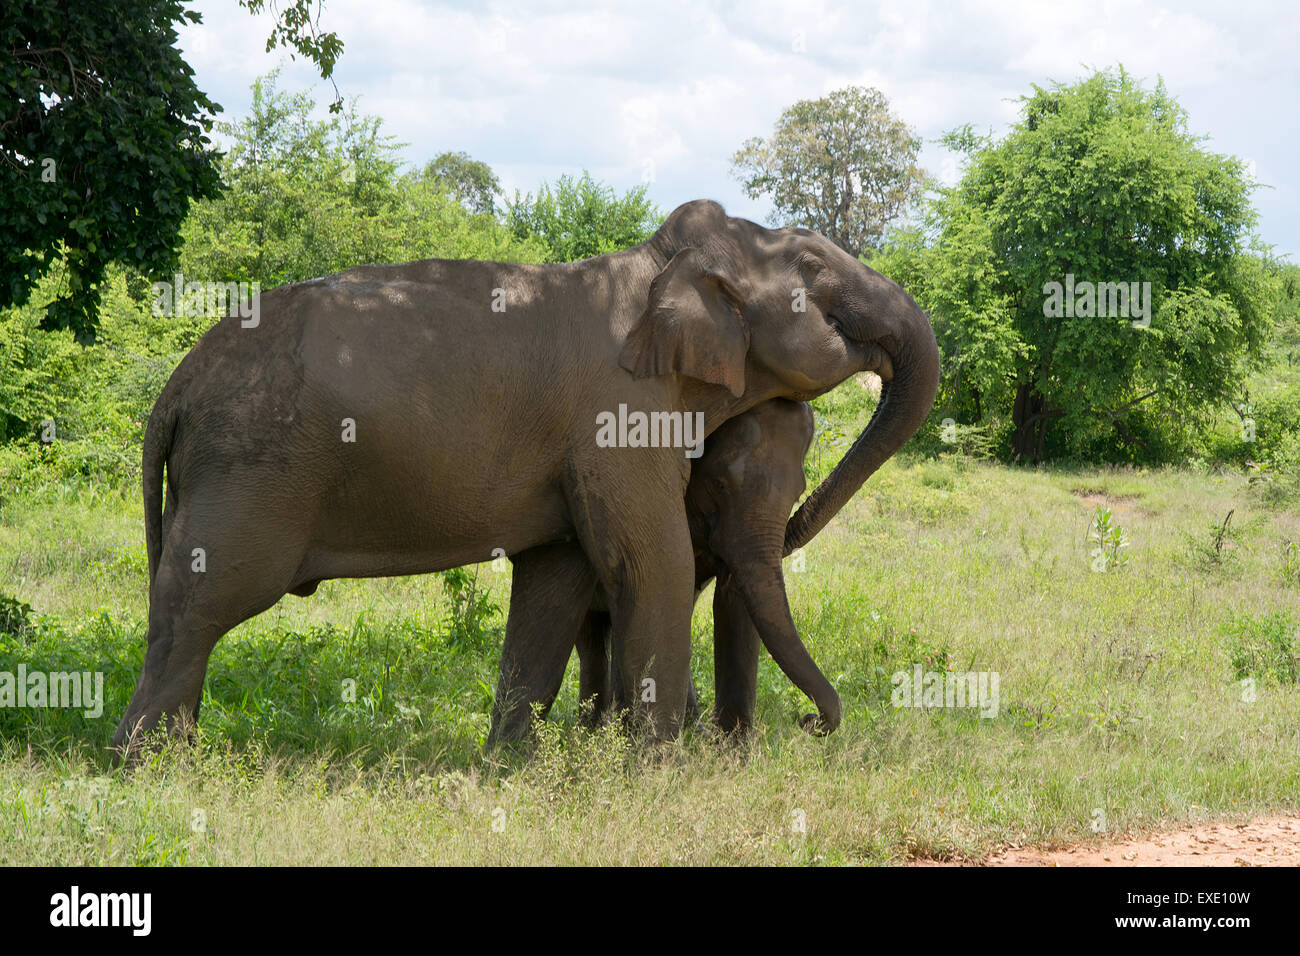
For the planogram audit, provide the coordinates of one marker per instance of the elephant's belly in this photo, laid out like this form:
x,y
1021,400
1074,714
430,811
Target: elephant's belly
x,y
396,533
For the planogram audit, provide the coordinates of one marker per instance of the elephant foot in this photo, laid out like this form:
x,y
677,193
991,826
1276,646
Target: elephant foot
x,y
509,755
133,742
707,731
692,706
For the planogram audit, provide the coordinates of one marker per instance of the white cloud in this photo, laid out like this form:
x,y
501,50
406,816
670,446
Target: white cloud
x,y
539,89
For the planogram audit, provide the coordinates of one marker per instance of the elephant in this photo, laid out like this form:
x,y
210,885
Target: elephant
x,y
740,495
402,419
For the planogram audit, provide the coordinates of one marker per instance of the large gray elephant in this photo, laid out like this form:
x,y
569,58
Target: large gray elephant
x,y
410,418
739,498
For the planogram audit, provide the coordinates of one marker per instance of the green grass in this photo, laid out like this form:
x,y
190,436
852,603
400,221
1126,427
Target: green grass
x,y
1121,691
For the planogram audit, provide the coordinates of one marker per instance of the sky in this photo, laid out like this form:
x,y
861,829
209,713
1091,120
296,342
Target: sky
x,y
665,92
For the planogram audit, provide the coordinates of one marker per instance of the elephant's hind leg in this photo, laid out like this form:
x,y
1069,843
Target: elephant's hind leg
x,y
200,592
595,675
550,594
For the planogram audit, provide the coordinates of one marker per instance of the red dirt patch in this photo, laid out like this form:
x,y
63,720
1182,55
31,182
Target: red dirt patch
x,y
1269,841
1120,505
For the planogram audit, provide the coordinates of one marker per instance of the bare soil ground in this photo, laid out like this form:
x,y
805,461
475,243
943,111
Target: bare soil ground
x,y
1268,841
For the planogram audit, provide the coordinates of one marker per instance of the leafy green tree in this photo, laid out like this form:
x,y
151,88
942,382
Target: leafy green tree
x,y
1099,182
469,181
302,197
37,368
305,197
102,145
580,218
88,403
843,165
433,225
955,278
1286,339
103,140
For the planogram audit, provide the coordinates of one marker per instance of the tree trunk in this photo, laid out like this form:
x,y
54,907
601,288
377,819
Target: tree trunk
x,y
1029,415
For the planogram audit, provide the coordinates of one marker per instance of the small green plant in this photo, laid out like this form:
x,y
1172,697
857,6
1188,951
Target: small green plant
x,y
1110,539
1044,715
577,763
1262,647
1215,551
472,610
1218,535
978,442
15,617
893,651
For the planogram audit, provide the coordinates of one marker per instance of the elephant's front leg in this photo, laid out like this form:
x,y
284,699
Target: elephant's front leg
x,y
736,646
651,612
550,598
639,545
616,695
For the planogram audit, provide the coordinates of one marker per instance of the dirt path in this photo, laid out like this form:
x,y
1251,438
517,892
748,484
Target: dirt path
x,y
1268,841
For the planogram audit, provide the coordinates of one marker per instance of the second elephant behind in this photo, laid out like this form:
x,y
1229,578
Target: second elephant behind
x,y
738,500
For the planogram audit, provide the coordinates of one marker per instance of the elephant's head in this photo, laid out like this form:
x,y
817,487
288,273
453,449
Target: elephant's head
x,y
771,313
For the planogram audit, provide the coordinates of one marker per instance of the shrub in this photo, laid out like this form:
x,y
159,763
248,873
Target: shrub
x,y
15,617
1262,648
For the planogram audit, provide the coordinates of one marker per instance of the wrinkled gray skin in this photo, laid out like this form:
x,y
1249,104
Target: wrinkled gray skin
x,y
475,429
739,497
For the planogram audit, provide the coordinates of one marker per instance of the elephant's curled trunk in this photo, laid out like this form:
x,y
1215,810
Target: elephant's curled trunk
x,y
904,404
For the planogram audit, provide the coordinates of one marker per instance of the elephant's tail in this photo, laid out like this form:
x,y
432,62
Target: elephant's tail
x,y
158,436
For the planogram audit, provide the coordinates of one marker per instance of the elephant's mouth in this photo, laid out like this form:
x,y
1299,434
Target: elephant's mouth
x,y
878,360
875,357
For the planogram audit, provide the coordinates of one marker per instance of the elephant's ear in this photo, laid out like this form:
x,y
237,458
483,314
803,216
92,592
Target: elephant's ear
x,y
691,325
